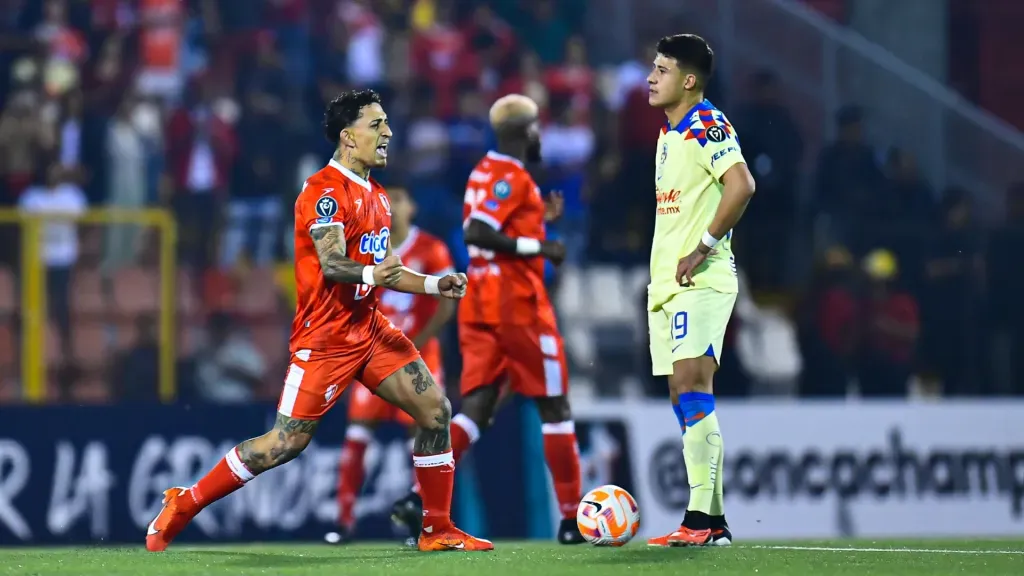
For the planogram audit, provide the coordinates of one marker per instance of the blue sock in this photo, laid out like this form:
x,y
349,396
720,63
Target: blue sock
x,y
694,407
678,409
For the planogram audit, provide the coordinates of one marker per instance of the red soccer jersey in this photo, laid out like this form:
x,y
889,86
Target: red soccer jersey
x,y
328,314
425,254
505,288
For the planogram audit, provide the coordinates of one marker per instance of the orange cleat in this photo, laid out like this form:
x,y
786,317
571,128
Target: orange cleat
x,y
171,520
682,536
452,539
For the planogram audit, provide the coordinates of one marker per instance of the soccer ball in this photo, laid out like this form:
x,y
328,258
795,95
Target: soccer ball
x,y
608,516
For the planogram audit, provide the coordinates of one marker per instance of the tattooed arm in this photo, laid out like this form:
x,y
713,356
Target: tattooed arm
x,y
330,247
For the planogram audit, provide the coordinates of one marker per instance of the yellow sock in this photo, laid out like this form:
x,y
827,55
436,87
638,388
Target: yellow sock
x,y
702,449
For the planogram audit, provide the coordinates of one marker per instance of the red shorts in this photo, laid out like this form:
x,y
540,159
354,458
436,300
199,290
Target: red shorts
x,y
365,406
317,378
531,358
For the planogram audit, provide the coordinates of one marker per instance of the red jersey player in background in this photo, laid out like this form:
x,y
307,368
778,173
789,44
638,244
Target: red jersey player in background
x,y
342,257
421,317
507,328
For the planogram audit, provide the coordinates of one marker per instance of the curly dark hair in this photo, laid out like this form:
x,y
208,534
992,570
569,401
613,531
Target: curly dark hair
x,y
344,110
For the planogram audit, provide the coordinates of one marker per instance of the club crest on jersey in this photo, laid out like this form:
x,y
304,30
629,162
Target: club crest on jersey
x,y
385,202
661,160
502,190
326,207
375,243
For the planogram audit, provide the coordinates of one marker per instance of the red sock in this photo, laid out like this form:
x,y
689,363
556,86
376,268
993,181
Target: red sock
x,y
464,433
436,476
562,454
350,473
228,475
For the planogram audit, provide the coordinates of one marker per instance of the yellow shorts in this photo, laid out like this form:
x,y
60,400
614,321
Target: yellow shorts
x,y
690,325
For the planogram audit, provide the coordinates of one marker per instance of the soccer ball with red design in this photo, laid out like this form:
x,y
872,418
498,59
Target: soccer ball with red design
x,y
608,516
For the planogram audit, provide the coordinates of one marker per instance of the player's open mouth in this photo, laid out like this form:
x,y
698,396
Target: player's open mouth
x,y
382,150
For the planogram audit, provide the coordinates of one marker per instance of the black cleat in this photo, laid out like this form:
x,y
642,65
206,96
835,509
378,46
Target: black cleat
x,y
408,512
720,533
569,532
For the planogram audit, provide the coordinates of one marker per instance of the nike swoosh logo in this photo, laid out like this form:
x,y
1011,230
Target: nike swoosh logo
x,y
152,528
695,486
676,347
458,546
595,505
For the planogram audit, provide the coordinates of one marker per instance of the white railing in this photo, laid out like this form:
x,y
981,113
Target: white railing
x,y
824,66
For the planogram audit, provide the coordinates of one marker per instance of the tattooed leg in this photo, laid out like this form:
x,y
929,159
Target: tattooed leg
x,y
412,389
283,443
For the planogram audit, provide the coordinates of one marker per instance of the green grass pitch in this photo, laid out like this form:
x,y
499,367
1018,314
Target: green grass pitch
x,y
875,558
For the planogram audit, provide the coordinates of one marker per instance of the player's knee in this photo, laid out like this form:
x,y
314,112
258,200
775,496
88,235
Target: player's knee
x,y
479,405
436,416
691,375
554,410
288,446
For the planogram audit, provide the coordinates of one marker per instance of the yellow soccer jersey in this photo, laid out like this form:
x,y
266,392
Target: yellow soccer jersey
x,y
691,160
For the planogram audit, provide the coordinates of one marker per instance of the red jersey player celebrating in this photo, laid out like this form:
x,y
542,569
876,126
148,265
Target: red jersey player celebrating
x,y
342,258
507,328
421,317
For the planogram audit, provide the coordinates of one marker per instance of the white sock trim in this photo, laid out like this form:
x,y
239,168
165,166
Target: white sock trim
x,y
433,461
359,433
567,427
470,427
237,467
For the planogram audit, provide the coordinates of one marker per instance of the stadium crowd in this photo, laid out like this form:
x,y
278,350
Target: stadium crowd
x,y
210,109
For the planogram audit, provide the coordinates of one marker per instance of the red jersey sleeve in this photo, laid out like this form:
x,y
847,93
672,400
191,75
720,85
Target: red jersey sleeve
x,y
493,203
321,206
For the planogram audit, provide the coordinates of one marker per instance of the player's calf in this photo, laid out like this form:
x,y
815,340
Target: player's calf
x,y
284,442
562,456
358,436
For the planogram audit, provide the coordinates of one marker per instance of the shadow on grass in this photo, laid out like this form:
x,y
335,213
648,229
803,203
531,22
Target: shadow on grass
x,y
646,556
275,559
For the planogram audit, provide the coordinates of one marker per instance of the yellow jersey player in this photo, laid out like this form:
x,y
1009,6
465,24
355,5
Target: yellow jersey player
x,y
703,185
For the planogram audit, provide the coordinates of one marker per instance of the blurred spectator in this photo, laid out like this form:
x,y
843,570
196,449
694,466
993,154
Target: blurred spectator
x,y
200,151
847,179
902,213
529,81
827,324
774,148
229,368
467,134
427,138
889,336
254,206
1006,284
365,50
136,371
567,145
160,43
547,31
951,297
438,52
23,139
126,158
70,133
56,196
574,79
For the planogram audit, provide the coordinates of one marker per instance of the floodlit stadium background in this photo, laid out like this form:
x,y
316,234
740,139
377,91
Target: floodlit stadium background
x,y
884,137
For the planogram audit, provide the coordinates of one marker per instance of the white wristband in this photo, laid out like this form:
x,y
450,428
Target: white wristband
x,y
430,285
527,246
709,240
368,276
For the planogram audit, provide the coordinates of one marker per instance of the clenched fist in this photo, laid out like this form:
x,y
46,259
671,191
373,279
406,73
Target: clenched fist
x,y
453,286
388,272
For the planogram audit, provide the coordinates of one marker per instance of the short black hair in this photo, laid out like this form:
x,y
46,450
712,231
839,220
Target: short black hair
x,y
690,51
344,110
